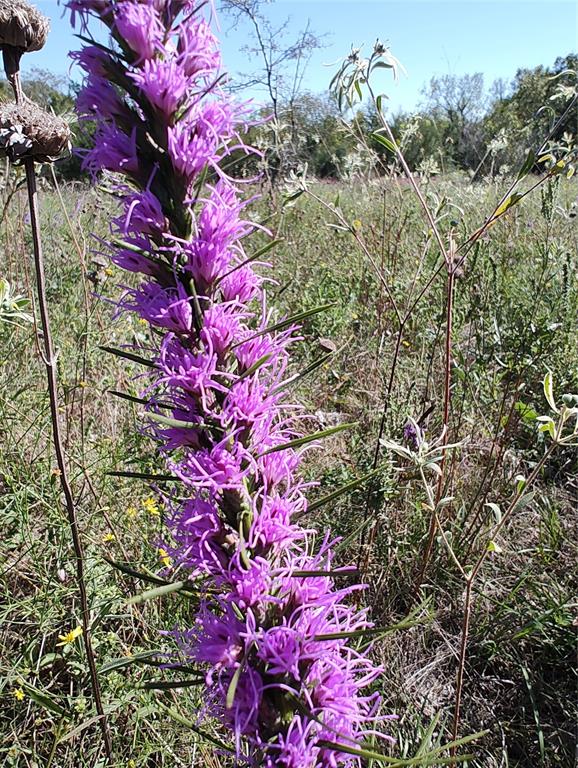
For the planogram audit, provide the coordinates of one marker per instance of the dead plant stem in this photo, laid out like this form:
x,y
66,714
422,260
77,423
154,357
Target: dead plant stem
x,y
50,363
445,426
470,578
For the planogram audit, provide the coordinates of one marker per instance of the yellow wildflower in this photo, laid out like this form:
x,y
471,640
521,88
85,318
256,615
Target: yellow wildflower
x,y
18,694
164,557
70,637
109,271
142,321
406,343
83,384
150,505
131,512
108,537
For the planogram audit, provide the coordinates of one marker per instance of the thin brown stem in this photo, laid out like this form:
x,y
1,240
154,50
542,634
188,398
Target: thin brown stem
x,y
445,427
462,660
50,363
410,177
364,551
470,583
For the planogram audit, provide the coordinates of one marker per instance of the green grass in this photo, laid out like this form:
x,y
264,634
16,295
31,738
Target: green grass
x,y
515,317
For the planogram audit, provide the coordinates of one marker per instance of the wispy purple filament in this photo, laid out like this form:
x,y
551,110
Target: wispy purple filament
x,y
279,673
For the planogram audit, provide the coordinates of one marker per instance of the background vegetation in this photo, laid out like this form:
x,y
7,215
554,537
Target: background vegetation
x,y
516,306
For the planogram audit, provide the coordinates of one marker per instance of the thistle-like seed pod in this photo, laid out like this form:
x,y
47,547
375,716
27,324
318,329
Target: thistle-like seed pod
x,y
22,26
28,131
22,29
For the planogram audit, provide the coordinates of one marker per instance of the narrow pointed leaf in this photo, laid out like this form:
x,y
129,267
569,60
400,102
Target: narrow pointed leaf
x,y
143,476
430,759
411,620
130,398
340,491
167,421
124,568
305,372
385,142
309,438
549,391
523,501
43,700
330,574
528,164
135,399
510,201
164,589
167,685
128,356
126,661
257,255
189,724
285,323
232,689
353,535
251,370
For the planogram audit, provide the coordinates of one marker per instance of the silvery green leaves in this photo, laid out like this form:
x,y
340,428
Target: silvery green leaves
x,y
13,308
419,451
355,70
560,429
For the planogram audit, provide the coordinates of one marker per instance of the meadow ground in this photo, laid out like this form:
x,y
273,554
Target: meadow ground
x,y
364,249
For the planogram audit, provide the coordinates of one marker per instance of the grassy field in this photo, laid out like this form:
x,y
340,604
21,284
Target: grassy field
x,y
364,248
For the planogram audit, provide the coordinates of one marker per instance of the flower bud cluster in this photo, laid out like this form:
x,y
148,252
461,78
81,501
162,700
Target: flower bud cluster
x,y
271,626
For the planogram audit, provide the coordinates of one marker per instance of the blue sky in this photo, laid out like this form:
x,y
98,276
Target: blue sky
x,y
429,37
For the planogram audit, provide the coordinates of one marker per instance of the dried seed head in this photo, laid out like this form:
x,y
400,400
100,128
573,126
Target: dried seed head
x,y
22,26
27,130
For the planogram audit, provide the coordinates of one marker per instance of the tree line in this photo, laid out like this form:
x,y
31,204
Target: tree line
x,y
459,125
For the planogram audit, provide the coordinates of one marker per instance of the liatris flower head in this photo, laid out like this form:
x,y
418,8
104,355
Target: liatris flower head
x,y
413,434
273,629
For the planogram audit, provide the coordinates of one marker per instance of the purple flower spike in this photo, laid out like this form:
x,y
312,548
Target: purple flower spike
x,y
273,632
139,25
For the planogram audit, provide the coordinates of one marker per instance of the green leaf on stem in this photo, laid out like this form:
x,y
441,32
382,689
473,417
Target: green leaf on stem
x,y
305,372
340,491
128,356
232,689
257,255
287,322
506,205
167,685
126,661
384,141
528,164
143,476
523,501
299,441
164,589
549,391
